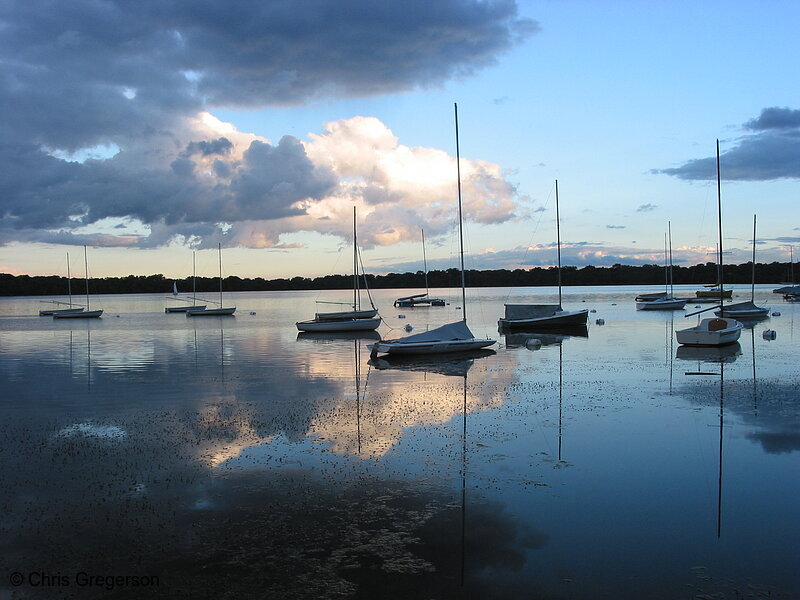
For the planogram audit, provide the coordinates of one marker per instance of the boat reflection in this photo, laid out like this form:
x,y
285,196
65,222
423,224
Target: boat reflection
x,y
527,338
710,354
454,365
329,336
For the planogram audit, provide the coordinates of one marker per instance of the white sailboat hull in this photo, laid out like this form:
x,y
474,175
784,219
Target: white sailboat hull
x,y
83,314
711,332
343,325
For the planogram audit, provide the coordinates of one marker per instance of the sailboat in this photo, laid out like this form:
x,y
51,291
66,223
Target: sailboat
x,y
666,301
80,314
49,312
544,315
350,320
722,330
193,306
452,337
748,309
214,312
420,299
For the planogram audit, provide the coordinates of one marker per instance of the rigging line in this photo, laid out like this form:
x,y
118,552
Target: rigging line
x,y
364,275
533,234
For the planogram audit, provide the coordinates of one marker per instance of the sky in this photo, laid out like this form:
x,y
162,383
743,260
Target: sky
x,y
149,130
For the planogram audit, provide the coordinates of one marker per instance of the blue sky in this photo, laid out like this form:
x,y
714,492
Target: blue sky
x,y
260,128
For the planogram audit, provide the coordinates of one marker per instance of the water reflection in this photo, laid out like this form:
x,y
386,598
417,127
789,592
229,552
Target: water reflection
x,y
532,338
245,460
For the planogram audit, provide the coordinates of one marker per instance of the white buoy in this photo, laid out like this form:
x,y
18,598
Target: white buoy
x,y
533,343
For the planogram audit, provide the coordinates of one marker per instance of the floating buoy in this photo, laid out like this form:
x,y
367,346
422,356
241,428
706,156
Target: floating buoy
x,y
252,312
408,327
769,334
613,304
401,316
594,310
600,322
533,343
776,314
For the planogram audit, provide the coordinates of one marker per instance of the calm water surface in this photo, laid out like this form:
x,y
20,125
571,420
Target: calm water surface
x,y
234,458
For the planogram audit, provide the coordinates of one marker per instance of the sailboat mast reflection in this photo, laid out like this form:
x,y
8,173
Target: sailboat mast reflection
x,y
560,395
357,358
721,429
464,485
753,349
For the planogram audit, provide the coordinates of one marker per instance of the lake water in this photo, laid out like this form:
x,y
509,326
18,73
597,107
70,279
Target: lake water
x,y
233,458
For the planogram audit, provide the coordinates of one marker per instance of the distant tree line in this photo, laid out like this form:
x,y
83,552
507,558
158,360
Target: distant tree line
x,y
25,285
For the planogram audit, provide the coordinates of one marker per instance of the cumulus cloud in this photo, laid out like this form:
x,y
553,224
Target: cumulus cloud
x,y
133,86
770,152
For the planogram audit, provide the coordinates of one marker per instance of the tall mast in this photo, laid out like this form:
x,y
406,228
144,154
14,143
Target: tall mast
x,y
86,270
219,248
753,284
460,226
671,281
69,282
355,263
666,266
558,239
719,218
424,260
194,278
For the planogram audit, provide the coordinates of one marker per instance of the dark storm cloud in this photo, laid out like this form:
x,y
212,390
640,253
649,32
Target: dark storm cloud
x,y
772,152
65,195
81,74
220,146
775,118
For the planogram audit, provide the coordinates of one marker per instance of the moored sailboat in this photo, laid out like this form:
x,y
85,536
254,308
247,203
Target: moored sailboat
x,y
713,331
221,310
49,312
747,309
544,315
666,301
80,314
193,305
420,299
452,337
357,319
